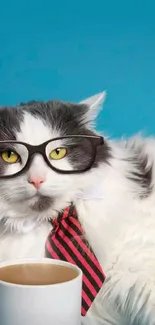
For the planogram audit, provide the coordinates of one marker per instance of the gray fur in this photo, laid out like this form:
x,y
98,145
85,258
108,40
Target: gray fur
x,y
140,160
10,119
42,204
133,311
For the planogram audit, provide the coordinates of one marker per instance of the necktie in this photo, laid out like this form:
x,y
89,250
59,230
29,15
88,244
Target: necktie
x,y
67,242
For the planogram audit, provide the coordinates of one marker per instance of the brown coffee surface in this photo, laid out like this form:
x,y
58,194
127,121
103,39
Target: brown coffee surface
x,y
37,274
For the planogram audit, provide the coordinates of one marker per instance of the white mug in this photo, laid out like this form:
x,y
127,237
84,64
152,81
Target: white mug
x,y
47,304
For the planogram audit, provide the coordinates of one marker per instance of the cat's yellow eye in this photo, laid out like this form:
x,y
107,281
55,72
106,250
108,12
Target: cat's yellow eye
x,y
10,157
58,153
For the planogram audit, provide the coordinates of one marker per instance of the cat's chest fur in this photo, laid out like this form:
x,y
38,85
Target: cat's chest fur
x,y
23,232
122,235
20,235
21,245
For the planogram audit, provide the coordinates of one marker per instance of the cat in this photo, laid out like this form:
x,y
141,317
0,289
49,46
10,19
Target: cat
x,y
114,200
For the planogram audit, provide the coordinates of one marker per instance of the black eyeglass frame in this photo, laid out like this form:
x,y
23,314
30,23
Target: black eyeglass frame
x,y
41,149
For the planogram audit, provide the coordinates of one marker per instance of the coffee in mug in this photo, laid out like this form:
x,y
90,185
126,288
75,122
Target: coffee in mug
x,y
37,274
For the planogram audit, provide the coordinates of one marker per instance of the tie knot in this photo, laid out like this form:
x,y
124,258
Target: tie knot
x,y
69,212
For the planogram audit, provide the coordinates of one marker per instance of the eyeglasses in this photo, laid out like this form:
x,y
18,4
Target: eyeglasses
x,y
64,155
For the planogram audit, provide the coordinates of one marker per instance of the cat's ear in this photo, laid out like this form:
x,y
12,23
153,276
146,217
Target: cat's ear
x,y
95,105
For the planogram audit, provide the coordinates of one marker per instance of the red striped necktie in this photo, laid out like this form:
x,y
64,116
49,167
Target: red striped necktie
x,y
67,242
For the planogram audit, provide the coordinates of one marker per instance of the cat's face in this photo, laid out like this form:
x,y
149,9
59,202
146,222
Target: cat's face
x,y
35,123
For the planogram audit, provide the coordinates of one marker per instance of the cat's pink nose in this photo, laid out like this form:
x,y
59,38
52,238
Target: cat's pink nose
x,y
36,181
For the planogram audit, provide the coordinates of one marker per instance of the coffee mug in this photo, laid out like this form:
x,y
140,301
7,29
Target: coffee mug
x,y
40,292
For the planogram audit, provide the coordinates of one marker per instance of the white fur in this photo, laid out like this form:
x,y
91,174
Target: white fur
x,y
119,226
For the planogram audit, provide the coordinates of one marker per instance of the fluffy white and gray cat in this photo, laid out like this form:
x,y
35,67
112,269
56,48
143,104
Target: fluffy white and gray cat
x,y
114,199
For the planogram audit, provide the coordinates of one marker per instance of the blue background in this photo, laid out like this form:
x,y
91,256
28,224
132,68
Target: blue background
x,y
71,50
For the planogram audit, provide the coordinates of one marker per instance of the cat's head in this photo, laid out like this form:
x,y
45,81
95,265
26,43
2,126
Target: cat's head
x,y
35,123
